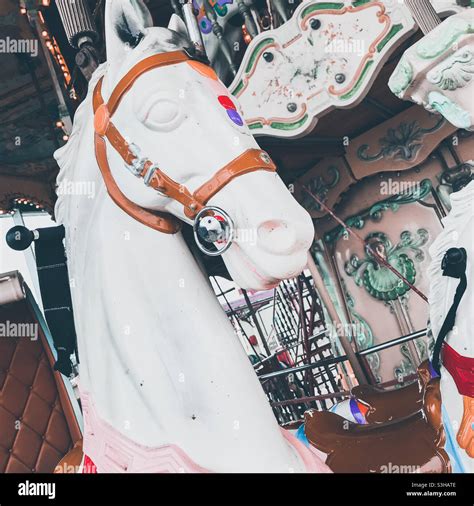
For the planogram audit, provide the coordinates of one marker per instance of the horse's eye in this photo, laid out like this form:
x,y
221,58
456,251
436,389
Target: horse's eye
x,y
162,112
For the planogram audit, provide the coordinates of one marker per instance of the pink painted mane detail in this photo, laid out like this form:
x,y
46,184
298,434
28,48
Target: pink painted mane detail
x,y
106,450
112,452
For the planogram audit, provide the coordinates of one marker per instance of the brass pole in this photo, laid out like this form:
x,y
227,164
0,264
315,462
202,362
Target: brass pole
x,y
326,298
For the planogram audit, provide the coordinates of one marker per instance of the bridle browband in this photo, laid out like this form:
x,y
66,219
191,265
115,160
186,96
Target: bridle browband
x,y
194,203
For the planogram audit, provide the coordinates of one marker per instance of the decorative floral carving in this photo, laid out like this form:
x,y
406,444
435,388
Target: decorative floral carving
x,y
455,72
401,143
393,203
443,66
379,281
453,112
320,187
419,192
401,78
437,42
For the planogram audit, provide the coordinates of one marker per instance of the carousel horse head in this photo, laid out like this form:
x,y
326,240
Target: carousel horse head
x,y
163,114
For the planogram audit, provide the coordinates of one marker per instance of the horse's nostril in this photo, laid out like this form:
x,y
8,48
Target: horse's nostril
x,y
277,236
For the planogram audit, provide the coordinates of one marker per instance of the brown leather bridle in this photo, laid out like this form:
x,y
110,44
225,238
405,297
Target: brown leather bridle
x,y
249,161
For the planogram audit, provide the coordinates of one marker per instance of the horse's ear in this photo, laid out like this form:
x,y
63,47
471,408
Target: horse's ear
x,y
178,25
125,24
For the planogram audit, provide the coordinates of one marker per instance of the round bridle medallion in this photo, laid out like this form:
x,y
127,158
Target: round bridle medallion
x,y
213,231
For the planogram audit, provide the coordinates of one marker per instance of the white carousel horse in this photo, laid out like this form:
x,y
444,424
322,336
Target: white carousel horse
x,y
457,372
165,384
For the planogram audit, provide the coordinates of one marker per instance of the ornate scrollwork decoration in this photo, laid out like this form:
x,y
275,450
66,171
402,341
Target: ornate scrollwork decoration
x,y
378,281
401,143
320,187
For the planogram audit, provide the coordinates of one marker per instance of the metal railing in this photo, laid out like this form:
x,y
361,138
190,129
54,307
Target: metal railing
x,y
343,358
289,406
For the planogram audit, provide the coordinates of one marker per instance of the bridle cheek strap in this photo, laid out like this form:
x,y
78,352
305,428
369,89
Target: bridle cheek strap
x,y
249,161
162,222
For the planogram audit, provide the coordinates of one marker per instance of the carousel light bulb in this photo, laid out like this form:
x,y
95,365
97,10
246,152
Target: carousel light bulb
x,y
59,124
65,137
45,3
23,10
44,33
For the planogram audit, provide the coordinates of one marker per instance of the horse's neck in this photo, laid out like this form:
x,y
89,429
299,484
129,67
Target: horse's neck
x,y
458,232
156,349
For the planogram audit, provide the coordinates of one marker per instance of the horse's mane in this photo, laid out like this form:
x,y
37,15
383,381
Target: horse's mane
x,y
462,210
156,40
66,156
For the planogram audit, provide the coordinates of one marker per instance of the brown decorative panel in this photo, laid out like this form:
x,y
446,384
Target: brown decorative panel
x,y
398,210
401,143
405,235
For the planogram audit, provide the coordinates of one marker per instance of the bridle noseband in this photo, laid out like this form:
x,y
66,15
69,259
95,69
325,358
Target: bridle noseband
x,y
193,203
